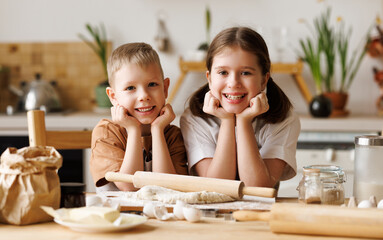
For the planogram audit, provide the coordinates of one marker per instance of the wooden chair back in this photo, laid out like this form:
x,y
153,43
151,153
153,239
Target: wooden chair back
x,y
39,136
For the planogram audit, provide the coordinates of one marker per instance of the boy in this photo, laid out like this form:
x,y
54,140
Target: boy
x,y
139,137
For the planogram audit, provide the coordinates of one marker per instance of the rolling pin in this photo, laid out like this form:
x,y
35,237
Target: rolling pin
x,y
232,188
319,220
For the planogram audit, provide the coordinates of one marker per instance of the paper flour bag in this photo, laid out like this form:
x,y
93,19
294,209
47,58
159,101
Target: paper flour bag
x,y
28,180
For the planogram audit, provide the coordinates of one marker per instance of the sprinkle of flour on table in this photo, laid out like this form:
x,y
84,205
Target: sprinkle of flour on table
x,y
165,195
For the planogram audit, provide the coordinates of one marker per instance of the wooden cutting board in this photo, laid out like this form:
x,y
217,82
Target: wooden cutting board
x,y
246,203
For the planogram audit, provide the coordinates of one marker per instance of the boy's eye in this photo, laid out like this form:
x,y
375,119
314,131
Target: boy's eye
x,y
130,88
153,84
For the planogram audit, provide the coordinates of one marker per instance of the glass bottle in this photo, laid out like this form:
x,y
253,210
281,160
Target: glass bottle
x,y
368,167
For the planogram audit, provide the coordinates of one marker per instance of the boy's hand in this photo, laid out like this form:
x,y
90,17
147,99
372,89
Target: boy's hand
x,y
165,118
212,106
258,105
120,116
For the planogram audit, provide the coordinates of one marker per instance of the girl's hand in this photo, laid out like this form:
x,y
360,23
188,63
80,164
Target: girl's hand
x,y
120,116
212,106
165,118
258,105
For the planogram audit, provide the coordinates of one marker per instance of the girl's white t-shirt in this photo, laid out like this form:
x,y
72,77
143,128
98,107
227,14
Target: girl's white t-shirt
x,y
274,140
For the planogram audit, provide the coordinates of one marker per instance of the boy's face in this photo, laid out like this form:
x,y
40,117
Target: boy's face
x,y
141,91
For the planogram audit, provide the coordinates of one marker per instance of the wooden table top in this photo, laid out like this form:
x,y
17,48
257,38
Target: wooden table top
x,y
208,228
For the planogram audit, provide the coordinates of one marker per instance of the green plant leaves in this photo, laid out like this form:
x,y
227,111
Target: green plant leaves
x,y
333,45
99,44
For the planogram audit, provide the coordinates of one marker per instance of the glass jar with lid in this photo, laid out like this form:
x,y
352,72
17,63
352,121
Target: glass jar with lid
x,y
368,165
332,179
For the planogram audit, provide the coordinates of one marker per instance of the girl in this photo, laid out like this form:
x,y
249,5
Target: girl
x,y
240,125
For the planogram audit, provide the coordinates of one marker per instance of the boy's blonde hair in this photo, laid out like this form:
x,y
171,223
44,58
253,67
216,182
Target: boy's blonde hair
x,y
141,54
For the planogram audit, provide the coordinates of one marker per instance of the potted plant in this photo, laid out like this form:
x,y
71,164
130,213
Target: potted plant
x,y
205,45
312,50
332,45
99,46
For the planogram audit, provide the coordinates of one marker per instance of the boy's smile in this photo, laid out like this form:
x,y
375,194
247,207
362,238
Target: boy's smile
x,y
140,90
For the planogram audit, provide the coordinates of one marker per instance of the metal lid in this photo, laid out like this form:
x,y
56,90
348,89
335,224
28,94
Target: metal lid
x,y
311,170
329,172
369,140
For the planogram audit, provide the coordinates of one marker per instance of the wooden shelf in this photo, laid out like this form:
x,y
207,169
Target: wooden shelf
x,y
294,69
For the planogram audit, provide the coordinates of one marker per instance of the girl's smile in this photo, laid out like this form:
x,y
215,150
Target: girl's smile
x,y
234,98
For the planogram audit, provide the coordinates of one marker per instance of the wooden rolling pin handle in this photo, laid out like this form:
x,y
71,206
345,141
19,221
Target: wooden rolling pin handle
x,y
259,191
118,177
251,216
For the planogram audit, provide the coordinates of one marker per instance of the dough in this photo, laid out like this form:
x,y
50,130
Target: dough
x,y
165,195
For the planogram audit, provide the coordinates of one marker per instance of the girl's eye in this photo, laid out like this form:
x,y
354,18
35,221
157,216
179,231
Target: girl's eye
x,y
222,72
153,84
246,73
130,88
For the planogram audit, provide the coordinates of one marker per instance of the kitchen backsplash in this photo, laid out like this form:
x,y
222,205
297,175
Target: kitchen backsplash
x,y
73,65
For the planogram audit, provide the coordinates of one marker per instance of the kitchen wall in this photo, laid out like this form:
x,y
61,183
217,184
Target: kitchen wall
x,y
136,20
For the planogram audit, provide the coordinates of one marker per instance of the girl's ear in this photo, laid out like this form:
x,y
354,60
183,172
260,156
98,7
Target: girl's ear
x,y
208,77
265,80
166,86
112,96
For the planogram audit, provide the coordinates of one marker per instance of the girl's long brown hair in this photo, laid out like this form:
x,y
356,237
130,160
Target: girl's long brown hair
x,y
250,41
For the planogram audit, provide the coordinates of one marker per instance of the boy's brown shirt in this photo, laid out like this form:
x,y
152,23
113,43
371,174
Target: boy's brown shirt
x,y
109,145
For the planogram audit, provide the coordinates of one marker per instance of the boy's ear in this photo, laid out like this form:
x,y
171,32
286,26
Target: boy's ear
x,y
112,96
166,86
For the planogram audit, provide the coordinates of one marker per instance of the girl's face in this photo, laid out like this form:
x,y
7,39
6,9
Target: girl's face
x,y
236,78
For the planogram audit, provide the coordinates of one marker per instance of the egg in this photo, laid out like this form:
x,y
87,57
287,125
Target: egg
x,y
161,213
365,204
178,209
192,214
380,204
149,210
352,202
373,201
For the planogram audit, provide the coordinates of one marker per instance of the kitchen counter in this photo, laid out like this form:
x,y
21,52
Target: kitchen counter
x,y
17,124
352,123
